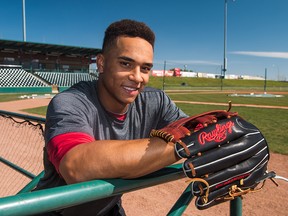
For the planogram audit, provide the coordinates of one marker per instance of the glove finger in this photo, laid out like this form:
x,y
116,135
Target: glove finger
x,y
214,135
232,174
225,156
201,205
222,194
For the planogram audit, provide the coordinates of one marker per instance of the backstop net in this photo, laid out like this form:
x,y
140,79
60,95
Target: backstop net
x,y
21,147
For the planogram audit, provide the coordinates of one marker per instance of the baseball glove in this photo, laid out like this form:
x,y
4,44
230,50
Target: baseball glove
x,y
226,155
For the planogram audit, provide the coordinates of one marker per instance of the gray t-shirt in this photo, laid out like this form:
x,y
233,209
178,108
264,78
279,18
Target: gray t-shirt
x,y
78,109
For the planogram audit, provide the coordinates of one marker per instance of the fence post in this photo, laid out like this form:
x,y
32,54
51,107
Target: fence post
x,y
31,185
182,203
236,207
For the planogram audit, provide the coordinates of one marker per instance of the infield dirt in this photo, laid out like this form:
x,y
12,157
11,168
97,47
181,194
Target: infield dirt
x,y
158,200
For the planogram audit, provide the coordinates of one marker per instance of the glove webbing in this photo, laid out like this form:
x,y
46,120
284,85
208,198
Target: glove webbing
x,y
169,138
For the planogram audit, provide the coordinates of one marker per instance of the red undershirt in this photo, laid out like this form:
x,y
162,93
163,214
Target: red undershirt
x,y
59,145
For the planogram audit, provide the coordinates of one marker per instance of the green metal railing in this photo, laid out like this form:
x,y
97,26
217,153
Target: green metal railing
x,y
17,168
36,202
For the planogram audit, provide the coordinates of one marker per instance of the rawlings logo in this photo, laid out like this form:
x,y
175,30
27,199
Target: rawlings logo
x,y
218,134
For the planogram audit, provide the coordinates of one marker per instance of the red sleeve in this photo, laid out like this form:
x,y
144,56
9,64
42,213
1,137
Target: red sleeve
x,y
59,145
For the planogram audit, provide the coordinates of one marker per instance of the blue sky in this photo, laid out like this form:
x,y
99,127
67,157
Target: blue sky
x,y
188,32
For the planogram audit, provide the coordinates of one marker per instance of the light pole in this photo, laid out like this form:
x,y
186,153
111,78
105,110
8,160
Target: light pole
x,y
185,67
24,20
163,84
265,81
225,38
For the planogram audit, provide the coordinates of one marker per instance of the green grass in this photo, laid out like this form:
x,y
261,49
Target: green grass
x,y
38,110
205,83
9,97
272,122
224,98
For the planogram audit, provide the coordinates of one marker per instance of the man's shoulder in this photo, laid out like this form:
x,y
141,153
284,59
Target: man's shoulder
x,y
82,92
151,93
153,96
80,88
84,86
152,90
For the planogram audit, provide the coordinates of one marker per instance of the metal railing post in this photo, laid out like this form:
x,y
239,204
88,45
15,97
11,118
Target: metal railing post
x,y
236,207
182,203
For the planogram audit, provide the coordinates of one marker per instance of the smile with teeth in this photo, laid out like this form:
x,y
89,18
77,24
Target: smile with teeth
x,y
130,89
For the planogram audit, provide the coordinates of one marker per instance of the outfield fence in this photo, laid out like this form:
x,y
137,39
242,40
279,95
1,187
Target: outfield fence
x,y
21,148
179,87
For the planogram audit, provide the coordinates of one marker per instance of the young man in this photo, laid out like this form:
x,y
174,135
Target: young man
x,y
100,129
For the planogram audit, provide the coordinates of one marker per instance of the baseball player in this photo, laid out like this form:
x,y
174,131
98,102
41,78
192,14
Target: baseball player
x,y
100,129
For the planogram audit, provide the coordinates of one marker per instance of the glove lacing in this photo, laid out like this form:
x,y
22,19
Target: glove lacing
x,y
205,196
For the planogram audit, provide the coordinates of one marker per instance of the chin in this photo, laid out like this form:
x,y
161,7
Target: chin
x,y
129,100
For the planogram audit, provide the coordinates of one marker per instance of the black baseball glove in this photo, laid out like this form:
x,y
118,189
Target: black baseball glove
x,y
226,155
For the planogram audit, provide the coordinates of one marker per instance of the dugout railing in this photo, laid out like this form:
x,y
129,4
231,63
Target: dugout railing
x,y
25,202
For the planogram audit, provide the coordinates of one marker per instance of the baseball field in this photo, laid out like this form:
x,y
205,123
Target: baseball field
x,y
268,113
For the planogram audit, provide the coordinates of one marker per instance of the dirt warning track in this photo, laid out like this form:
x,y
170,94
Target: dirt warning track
x,y
158,200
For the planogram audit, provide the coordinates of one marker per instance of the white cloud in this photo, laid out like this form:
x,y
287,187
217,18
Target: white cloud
x,y
263,54
188,62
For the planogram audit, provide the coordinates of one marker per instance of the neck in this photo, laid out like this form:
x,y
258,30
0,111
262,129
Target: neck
x,y
111,106
123,112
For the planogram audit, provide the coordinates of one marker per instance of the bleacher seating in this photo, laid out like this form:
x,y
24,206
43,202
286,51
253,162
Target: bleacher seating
x,y
65,79
17,77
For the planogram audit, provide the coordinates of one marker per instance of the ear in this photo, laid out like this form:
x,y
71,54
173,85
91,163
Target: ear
x,y
100,63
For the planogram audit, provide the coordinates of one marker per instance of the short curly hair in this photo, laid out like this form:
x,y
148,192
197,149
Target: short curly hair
x,y
129,28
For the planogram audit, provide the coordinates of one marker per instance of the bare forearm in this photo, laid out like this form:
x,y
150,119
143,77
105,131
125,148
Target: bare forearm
x,y
116,159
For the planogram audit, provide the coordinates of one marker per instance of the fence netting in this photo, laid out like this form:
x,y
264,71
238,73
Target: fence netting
x,y
21,144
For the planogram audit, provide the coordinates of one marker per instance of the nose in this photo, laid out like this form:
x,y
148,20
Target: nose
x,y
136,75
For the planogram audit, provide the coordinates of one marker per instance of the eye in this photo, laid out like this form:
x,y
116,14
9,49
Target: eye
x,y
125,64
146,69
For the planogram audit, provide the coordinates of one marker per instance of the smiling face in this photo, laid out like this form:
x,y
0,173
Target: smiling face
x,y
124,71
